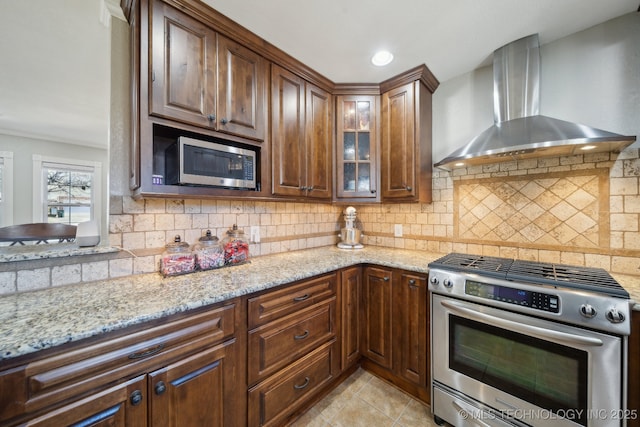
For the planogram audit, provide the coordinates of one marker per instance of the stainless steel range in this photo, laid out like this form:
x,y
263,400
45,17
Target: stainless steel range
x,y
527,343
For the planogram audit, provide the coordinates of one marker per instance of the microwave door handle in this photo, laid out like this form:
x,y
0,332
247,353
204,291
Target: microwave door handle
x,y
542,333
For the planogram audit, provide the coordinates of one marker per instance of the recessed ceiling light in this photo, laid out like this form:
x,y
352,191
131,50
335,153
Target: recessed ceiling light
x,y
382,58
459,164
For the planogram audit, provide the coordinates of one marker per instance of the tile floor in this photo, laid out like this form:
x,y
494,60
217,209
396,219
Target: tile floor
x,y
365,400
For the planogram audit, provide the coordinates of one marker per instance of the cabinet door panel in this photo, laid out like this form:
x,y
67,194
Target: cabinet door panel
x,y
350,324
319,115
191,392
241,90
122,405
398,143
357,173
410,346
287,127
376,295
183,64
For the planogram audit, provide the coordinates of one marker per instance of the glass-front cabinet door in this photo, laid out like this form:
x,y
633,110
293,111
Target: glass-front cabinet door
x,y
357,173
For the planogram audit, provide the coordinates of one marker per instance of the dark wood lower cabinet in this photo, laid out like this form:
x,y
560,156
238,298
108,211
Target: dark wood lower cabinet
x,y
191,392
395,328
410,325
351,301
376,315
122,405
187,370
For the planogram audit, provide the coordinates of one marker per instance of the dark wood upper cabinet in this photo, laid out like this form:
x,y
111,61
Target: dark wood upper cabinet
x,y
319,142
301,136
357,146
406,165
242,97
202,78
196,73
398,143
182,67
287,132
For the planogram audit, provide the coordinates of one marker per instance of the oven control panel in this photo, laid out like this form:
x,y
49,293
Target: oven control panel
x,y
536,300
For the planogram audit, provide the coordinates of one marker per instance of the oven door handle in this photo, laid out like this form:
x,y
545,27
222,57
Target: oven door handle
x,y
546,334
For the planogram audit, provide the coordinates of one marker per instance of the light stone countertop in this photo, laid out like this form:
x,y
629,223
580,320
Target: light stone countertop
x,y
38,320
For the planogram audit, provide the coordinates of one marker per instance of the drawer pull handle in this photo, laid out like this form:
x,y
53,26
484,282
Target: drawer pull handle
x,y
300,387
160,388
136,398
301,298
149,352
412,284
303,336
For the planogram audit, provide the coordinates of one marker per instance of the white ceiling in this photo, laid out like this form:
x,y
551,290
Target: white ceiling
x,y
54,55
338,37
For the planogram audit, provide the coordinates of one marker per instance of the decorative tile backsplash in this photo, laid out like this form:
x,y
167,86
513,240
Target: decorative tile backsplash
x,y
545,211
580,210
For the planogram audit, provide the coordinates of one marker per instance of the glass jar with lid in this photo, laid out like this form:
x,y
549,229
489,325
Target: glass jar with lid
x,y
235,246
177,258
208,252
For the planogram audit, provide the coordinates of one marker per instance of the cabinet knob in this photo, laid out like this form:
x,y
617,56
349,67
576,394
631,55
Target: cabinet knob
x,y
373,191
310,188
409,188
160,388
300,387
224,121
211,117
385,278
303,188
136,398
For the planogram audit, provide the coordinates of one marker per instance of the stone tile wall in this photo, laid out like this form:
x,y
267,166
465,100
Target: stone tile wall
x,y
579,210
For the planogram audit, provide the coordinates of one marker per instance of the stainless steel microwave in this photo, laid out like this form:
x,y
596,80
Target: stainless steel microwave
x,y
193,162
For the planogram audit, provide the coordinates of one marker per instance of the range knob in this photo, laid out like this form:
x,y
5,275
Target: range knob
x,y
588,311
434,281
614,316
447,283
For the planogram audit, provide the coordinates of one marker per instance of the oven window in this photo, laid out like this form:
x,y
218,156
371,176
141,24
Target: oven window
x,y
546,374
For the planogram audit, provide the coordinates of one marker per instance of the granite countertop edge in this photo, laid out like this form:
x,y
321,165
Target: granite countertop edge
x,y
38,320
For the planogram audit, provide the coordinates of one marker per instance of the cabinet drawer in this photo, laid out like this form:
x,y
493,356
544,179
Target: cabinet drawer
x,y
53,379
267,307
280,342
272,401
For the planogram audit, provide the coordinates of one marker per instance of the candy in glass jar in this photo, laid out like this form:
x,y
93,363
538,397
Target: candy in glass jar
x,y
177,259
209,253
235,246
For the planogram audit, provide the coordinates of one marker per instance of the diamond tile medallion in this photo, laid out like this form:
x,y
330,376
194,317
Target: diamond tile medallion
x,y
549,211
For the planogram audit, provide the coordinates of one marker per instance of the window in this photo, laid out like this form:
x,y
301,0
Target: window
x,y
6,188
68,190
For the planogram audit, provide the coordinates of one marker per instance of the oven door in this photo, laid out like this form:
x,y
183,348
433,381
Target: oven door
x,y
536,371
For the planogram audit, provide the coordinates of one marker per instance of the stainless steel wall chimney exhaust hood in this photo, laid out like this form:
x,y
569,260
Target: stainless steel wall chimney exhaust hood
x,y
519,131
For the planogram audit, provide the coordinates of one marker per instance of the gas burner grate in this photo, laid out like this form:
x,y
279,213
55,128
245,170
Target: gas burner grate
x,y
584,278
533,272
492,266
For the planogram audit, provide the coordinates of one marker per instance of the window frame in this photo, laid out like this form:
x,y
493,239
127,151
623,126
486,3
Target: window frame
x,y
40,186
6,203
